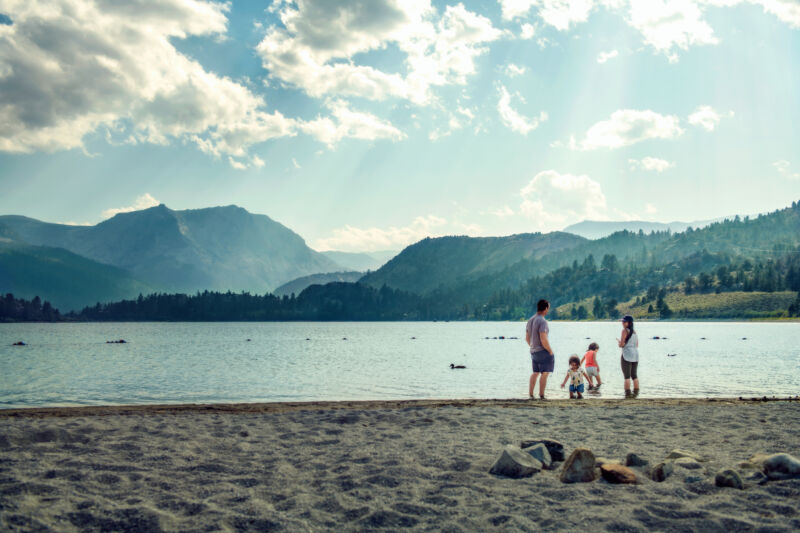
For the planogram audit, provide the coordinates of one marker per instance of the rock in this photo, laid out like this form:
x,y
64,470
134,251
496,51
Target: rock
x,y
747,465
579,467
678,453
687,463
515,463
555,448
758,459
600,461
693,479
782,466
540,453
635,460
616,473
728,478
757,477
661,471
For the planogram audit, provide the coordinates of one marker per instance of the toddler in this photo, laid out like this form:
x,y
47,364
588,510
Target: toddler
x,y
592,368
575,376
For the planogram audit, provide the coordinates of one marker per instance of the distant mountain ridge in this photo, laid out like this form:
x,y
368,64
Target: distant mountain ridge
x,y
360,261
296,286
597,229
217,248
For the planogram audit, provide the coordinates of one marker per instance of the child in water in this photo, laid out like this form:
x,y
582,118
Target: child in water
x,y
592,368
575,376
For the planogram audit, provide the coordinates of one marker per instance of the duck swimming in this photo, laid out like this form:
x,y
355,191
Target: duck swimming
x,y
452,366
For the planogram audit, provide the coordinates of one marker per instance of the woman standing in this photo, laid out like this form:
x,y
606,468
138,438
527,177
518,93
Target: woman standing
x,y
629,342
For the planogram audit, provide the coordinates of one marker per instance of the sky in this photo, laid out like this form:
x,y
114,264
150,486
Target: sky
x,y
369,124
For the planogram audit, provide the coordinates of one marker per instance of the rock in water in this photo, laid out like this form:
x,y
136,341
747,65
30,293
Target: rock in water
x,y
687,463
579,467
677,454
515,463
728,478
757,477
614,473
661,471
782,466
555,448
635,460
540,453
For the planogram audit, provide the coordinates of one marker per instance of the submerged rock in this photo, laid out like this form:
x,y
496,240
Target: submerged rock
x,y
540,453
728,478
661,471
555,448
687,463
579,467
515,463
758,478
782,466
633,459
616,473
677,453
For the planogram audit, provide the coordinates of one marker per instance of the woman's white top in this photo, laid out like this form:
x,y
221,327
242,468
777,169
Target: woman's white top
x,y
630,352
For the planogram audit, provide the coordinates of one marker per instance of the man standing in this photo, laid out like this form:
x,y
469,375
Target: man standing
x,y
542,357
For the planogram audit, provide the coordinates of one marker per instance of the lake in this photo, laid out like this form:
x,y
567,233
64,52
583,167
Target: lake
x,y
71,364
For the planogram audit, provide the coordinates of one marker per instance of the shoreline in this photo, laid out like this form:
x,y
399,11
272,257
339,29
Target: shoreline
x,y
331,405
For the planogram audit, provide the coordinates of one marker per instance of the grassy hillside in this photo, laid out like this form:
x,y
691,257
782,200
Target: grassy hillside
x,y
68,281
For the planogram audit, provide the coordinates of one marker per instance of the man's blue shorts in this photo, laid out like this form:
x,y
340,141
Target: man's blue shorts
x,y
543,361
579,388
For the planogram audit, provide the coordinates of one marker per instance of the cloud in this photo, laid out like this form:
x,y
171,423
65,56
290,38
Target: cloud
x,y
349,123
602,57
782,167
627,127
707,118
316,47
502,212
651,163
144,201
557,13
552,200
513,70
514,120
72,67
650,209
350,238
670,25
527,31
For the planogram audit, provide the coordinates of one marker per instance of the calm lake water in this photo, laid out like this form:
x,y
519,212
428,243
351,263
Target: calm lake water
x,y
70,364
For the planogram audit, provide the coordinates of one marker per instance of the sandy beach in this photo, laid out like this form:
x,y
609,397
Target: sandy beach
x,y
388,465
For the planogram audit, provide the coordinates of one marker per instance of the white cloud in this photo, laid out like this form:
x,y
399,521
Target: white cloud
x,y
502,212
512,119
350,238
77,66
513,70
602,57
650,209
787,11
144,201
552,200
349,123
629,126
670,25
527,31
557,13
783,168
651,163
238,165
295,164
707,118
316,46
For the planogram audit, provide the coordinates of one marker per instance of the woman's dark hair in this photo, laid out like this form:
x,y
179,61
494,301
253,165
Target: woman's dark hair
x,y
574,359
594,346
630,330
542,305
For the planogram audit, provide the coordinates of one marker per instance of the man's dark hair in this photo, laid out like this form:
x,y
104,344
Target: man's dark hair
x,y
542,305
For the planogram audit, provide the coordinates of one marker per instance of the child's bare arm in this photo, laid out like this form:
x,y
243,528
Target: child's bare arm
x,y
565,380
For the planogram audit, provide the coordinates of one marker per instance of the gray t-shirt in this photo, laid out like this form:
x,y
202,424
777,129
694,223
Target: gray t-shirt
x,y
536,324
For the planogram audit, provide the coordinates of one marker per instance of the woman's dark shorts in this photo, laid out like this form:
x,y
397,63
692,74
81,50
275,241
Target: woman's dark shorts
x,y
543,361
629,369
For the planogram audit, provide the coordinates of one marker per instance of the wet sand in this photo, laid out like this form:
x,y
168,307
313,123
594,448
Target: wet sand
x,y
386,465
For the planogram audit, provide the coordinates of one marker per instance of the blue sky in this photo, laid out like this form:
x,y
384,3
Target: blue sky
x,y
370,124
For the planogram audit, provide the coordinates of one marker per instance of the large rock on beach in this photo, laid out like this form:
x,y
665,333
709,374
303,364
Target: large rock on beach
x,y
555,448
633,459
540,453
615,473
661,471
515,463
782,466
678,454
688,463
728,478
600,461
579,467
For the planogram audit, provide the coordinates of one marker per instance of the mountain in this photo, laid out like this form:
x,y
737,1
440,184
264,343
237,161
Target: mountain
x,y
360,261
445,261
67,281
596,229
297,286
219,248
